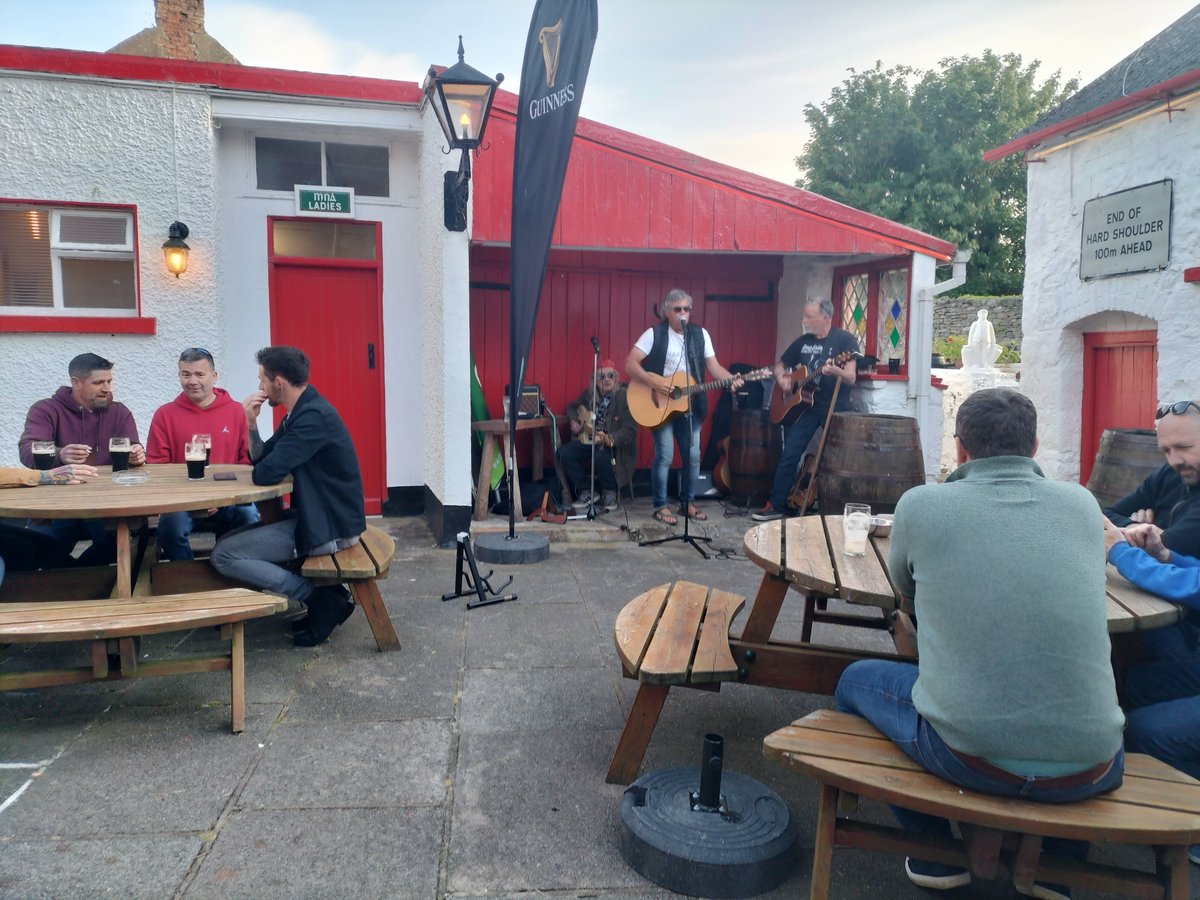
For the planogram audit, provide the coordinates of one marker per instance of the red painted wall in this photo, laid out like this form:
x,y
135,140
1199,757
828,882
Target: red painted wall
x,y
611,295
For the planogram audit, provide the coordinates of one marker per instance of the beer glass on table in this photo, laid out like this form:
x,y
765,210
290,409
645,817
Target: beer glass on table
x,y
206,440
856,523
118,449
193,454
44,455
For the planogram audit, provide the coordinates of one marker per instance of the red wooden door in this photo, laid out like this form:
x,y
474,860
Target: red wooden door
x,y
1119,387
331,309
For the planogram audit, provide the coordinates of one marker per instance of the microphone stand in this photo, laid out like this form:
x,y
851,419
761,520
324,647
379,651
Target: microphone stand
x,y
591,507
686,473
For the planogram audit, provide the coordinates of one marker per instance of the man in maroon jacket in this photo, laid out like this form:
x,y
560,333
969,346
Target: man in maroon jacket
x,y
200,408
80,419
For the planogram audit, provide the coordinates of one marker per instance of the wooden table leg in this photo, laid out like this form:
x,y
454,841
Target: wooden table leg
x,y
124,587
643,716
539,454
483,490
237,678
761,621
823,842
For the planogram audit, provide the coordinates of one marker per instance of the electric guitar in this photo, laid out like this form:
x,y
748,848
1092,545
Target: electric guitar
x,y
650,409
788,406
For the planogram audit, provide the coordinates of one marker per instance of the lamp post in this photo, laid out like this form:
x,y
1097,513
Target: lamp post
x,y
462,100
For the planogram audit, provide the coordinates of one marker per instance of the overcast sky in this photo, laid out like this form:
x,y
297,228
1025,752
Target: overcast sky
x,y
726,79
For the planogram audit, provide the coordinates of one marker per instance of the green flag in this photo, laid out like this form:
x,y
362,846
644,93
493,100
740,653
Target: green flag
x,y
479,411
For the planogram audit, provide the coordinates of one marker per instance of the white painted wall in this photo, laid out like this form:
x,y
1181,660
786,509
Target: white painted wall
x,y
72,140
1059,308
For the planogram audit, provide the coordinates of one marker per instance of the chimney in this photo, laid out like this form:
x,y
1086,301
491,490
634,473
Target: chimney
x,y
179,22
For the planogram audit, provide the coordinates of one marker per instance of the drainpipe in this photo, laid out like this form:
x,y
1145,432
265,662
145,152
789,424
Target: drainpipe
x,y
958,274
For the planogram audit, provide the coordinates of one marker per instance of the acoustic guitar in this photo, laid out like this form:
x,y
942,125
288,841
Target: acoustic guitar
x,y
650,409
788,406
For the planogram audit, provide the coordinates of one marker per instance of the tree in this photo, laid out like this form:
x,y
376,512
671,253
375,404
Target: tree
x,y
908,145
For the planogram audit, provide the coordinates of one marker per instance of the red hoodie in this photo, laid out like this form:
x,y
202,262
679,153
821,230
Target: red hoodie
x,y
174,424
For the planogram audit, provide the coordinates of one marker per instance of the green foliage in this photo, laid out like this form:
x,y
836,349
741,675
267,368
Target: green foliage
x,y
908,145
950,349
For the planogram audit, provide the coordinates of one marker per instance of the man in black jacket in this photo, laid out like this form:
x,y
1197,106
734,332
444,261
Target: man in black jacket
x,y
312,445
1169,498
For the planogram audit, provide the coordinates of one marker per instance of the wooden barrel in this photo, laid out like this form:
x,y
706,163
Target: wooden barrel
x,y
1126,457
869,459
755,444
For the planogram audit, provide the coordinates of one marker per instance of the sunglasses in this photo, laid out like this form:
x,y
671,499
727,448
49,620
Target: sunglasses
x,y
191,353
681,309
607,375
1177,409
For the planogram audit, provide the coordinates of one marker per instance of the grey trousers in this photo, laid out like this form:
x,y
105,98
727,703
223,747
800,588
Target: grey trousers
x,y
254,556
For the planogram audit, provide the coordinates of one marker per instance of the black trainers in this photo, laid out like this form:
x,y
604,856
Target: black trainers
x,y
935,876
328,607
767,514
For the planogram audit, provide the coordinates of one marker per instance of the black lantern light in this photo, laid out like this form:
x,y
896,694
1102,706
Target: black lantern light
x,y
462,100
175,249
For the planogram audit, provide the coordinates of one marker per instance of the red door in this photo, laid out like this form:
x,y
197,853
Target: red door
x,y
1119,387
331,309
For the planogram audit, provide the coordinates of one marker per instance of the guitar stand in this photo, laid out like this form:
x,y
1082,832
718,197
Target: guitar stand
x,y
476,584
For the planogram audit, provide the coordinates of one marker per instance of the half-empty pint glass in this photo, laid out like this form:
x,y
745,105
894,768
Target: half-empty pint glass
x,y
193,454
206,440
118,449
856,523
44,454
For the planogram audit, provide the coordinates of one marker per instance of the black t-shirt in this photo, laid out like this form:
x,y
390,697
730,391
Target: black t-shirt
x,y
811,351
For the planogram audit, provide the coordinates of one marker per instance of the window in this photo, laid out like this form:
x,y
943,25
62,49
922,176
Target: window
x,y
67,261
281,164
874,308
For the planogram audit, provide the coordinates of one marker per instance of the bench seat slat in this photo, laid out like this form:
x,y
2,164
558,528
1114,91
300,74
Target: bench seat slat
x,y
381,547
714,661
635,626
354,562
674,643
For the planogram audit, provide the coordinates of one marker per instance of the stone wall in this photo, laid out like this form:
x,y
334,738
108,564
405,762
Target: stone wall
x,y
954,315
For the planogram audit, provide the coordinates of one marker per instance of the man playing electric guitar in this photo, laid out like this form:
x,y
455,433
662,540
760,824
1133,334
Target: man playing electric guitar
x,y
815,350
670,347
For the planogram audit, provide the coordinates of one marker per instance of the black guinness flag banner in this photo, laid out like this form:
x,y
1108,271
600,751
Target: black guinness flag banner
x,y
558,54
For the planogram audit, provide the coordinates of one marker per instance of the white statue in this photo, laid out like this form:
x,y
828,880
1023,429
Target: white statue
x,y
981,349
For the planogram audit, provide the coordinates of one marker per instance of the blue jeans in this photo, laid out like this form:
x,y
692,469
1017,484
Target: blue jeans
x,y
1163,703
881,692
665,437
795,440
174,528
255,554
67,532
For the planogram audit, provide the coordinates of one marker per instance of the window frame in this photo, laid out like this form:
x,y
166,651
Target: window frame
x,y
62,319
874,272
323,142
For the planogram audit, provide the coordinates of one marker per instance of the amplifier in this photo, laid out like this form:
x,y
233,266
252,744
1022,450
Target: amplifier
x,y
529,403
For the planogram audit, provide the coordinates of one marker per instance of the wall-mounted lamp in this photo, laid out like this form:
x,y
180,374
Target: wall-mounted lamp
x,y
462,100
175,250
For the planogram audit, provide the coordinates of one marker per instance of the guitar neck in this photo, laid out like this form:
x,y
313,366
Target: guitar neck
x,y
723,383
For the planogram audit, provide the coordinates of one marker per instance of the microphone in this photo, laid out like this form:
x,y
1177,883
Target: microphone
x,y
596,345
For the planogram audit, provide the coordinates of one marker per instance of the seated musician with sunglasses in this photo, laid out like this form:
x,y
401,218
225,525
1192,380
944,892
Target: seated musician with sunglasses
x,y
610,430
1168,498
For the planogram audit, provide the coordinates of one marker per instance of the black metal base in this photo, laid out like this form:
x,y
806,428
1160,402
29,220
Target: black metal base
x,y
744,847
478,585
685,537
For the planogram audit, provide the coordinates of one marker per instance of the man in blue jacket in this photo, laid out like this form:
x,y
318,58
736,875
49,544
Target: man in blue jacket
x,y
313,445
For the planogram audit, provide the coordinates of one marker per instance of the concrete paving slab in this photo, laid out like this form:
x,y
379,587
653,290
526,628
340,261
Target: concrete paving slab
x,y
38,740
148,867
324,854
351,764
512,636
504,700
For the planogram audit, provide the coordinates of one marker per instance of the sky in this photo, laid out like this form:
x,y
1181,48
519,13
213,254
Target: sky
x,y
725,79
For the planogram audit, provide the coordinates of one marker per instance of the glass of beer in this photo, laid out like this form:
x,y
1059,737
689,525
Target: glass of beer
x,y
44,455
856,522
193,454
118,449
206,440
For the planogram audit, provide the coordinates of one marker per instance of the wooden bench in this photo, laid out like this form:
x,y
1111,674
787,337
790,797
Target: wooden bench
x,y
100,621
359,566
672,634
1002,837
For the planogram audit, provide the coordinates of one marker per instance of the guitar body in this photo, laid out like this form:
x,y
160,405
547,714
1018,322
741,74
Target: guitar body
x,y
721,473
650,409
788,406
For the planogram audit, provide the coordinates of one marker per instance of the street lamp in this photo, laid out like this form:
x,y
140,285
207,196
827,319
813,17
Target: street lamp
x,y
462,99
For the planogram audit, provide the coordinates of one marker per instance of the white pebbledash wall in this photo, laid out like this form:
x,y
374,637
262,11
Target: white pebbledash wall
x,y
1059,308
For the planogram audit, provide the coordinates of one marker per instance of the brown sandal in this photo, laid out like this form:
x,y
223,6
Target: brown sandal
x,y
694,514
663,514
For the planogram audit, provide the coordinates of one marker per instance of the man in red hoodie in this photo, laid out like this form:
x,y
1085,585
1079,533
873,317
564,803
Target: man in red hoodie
x,y
201,408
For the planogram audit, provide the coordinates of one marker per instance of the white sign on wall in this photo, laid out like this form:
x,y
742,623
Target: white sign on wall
x,y
1129,231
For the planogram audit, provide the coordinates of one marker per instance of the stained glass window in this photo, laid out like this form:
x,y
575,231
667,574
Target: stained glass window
x,y
893,314
854,308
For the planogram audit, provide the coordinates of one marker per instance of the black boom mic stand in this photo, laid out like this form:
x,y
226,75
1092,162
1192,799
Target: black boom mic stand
x,y
591,506
685,481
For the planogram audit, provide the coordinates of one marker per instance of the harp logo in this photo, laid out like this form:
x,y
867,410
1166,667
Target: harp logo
x,y
549,37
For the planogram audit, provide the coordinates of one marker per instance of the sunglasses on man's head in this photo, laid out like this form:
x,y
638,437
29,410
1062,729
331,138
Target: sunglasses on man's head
x,y
1177,409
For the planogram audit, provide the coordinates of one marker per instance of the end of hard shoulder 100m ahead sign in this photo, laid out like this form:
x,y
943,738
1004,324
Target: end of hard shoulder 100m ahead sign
x,y
1129,231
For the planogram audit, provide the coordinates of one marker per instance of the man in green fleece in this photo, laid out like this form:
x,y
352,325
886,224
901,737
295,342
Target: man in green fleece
x,y
1014,694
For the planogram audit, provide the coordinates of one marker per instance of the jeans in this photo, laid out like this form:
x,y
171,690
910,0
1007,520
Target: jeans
x,y
881,692
665,437
1163,703
254,556
795,441
576,460
67,532
174,528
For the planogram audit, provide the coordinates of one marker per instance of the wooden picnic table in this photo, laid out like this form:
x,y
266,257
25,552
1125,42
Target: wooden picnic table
x,y
805,554
167,489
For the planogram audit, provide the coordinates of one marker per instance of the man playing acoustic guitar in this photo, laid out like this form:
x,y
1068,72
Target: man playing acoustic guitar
x,y
614,434
657,357
804,380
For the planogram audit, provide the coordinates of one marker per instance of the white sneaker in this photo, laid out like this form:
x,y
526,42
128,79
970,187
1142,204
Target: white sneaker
x,y
935,876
